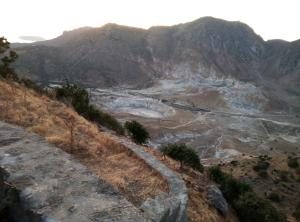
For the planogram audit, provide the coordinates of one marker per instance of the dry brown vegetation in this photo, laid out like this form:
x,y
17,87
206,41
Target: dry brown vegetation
x,y
61,126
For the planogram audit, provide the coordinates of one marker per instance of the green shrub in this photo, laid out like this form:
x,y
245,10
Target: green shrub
x,y
7,57
296,214
274,197
217,175
293,162
284,175
234,162
264,157
232,188
74,95
137,132
261,165
251,207
104,119
263,173
298,170
184,154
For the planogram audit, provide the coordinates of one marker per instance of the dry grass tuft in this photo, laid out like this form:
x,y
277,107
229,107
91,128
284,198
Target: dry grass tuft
x,y
107,158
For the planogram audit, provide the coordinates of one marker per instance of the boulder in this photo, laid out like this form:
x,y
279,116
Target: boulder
x,y
217,199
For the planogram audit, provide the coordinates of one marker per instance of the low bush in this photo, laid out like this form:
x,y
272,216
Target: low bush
x,y
274,197
251,207
298,170
261,165
234,162
283,175
137,132
263,173
104,119
217,175
184,154
230,187
233,188
264,157
293,162
296,214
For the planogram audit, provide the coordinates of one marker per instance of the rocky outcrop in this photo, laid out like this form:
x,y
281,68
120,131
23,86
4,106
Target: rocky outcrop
x,y
52,186
215,195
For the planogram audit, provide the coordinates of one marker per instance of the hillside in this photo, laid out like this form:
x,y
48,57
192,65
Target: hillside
x,y
51,119
99,150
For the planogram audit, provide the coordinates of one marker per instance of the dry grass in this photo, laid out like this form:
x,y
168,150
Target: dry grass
x,y
107,158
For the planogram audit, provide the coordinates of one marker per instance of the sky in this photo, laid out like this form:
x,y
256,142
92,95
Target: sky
x,y
46,19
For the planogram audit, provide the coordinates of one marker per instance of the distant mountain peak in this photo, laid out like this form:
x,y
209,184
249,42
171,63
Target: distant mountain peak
x,y
120,55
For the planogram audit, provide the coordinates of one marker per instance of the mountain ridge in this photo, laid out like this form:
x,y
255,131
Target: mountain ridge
x,y
117,55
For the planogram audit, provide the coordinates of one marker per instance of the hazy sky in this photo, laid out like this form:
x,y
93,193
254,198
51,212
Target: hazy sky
x,y
49,18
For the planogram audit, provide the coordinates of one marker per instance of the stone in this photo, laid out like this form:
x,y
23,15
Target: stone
x,y
217,199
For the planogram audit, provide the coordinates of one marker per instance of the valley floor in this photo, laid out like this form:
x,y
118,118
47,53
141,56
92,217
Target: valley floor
x,y
220,121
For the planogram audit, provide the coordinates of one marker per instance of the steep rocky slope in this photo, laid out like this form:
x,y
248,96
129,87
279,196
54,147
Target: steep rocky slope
x,y
96,149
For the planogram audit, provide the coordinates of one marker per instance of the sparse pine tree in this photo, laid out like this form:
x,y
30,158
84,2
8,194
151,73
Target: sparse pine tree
x,y
184,154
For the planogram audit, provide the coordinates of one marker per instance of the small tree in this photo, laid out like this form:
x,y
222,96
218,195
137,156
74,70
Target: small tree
x,y
137,132
184,154
70,122
76,96
7,57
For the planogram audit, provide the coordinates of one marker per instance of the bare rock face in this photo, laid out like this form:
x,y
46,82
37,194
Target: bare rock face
x,y
39,182
215,195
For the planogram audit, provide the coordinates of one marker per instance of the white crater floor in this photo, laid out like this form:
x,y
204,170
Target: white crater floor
x,y
136,105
